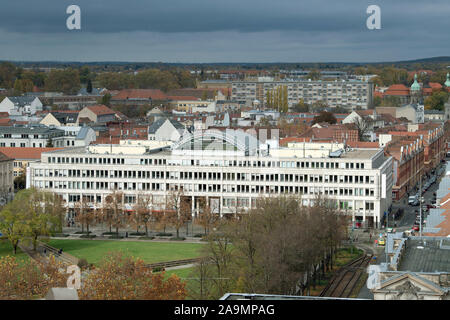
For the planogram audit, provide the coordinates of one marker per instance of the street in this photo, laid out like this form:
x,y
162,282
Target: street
x,y
408,217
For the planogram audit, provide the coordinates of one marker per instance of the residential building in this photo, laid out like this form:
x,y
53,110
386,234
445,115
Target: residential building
x,y
6,178
350,94
34,136
23,157
166,130
96,114
23,105
434,115
230,170
60,118
138,96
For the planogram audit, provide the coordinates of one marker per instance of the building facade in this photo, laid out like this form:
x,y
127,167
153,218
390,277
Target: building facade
x,y
228,171
349,94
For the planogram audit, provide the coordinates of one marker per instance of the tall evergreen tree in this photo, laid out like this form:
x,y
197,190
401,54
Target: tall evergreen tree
x,y
89,86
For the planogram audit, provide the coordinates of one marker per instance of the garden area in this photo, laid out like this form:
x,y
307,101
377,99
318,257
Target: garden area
x,y
151,252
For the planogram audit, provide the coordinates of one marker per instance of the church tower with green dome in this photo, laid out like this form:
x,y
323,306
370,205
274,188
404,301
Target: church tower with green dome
x,y
415,91
447,83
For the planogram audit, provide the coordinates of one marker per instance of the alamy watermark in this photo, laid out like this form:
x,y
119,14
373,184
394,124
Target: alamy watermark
x,y
73,22
374,20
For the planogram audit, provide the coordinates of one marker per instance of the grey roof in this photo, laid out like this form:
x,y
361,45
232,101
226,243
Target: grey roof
x,y
434,112
33,129
63,117
430,258
158,123
83,92
22,100
82,133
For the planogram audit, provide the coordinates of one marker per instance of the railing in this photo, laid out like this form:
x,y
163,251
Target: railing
x,y
174,263
64,257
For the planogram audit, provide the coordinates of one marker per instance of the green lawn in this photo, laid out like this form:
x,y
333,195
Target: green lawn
x,y
94,250
6,249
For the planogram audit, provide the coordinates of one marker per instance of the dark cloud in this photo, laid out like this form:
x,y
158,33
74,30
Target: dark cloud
x,y
217,30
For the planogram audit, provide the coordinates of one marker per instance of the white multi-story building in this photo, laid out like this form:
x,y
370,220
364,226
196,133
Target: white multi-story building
x,y
344,93
228,170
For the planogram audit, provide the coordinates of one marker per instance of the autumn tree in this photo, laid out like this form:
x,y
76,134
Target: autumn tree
x,y
85,215
363,127
325,116
120,277
275,245
30,279
66,81
142,212
12,224
115,214
207,218
178,210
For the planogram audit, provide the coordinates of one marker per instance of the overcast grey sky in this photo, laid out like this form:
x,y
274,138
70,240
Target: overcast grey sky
x,y
224,30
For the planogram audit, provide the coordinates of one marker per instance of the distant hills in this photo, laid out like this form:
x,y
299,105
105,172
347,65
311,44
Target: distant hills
x,y
244,65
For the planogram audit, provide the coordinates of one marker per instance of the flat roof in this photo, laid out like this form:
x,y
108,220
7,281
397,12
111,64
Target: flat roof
x,y
425,255
360,153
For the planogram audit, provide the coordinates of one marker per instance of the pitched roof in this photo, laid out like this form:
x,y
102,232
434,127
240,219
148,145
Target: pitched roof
x,y
158,123
130,94
100,110
397,90
4,157
25,153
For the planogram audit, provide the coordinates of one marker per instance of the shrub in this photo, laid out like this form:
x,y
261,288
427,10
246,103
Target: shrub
x,y
163,234
86,236
82,263
79,232
147,238
177,239
137,234
199,235
61,235
115,237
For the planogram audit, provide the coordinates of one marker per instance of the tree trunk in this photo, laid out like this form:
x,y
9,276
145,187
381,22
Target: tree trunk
x,y
87,228
34,242
146,230
178,232
82,227
110,228
15,247
117,231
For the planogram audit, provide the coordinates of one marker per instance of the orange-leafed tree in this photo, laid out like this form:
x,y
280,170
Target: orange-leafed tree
x,y
29,279
120,277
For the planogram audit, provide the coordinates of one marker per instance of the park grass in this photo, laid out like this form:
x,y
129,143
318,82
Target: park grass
x,y
94,250
7,250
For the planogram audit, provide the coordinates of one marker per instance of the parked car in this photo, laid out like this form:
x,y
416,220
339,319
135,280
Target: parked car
x,y
415,227
413,200
381,242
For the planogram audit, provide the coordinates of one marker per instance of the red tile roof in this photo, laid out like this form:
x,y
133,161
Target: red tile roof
x,y
397,90
100,110
25,153
183,98
154,94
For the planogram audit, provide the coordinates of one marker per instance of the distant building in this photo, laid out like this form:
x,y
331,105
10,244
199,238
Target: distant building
x,y
23,157
24,105
349,94
166,130
97,114
6,178
32,136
